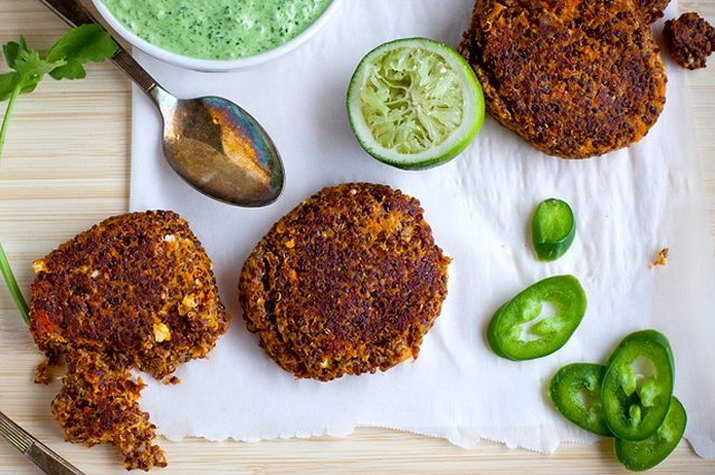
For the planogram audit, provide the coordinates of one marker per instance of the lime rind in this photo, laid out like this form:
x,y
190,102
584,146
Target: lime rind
x,y
401,103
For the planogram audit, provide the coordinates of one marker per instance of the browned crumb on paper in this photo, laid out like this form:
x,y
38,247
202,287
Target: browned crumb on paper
x,y
690,40
135,291
662,258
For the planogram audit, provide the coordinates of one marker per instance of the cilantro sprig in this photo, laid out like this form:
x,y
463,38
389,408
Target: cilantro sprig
x,y
64,60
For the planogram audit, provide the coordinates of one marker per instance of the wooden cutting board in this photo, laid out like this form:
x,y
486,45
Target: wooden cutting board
x,y
66,167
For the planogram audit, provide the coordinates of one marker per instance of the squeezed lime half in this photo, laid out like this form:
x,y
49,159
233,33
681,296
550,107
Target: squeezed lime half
x,y
415,103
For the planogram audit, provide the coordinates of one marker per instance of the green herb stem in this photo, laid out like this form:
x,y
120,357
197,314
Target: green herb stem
x,y
64,60
6,118
5,269
12,286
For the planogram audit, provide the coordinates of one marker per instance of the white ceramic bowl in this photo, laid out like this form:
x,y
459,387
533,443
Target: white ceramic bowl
x,y
211,65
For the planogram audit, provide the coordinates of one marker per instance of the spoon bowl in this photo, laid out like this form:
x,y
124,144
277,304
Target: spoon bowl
x,y
220,149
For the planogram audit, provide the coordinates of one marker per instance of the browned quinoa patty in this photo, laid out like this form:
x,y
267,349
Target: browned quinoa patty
x,y
690,40
576,78
347,283
135,291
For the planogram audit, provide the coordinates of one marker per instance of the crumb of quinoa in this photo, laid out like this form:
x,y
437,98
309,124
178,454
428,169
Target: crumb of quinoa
x,y
661,259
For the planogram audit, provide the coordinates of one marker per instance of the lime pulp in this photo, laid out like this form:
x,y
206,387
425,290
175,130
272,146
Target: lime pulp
x,y
415,103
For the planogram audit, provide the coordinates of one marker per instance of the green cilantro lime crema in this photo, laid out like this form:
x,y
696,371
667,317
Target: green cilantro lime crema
x,y
217,29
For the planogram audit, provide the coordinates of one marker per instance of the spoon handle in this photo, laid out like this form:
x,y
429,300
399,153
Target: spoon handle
x,y
75,14
39,453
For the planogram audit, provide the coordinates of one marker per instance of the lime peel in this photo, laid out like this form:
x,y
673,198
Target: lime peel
x,y
415,103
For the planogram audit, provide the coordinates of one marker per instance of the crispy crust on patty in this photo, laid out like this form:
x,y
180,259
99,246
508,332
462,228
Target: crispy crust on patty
x,y
98,404
576,78
135,291
652,10
111,288
690,40
347,283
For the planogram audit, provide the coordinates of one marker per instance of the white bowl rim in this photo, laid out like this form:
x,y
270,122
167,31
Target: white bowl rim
x,y
211,65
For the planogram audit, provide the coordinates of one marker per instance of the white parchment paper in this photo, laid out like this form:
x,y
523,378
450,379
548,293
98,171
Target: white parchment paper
x,y
629,205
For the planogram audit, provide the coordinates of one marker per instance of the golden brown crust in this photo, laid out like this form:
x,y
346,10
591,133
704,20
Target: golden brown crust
x,y
110,288
576,78
347,283
135,291
652,10
690,40
43,372
98,404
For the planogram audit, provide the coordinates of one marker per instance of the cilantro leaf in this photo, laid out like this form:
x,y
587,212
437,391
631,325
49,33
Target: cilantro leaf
x,y
8,83
32,68
87,43
71,70
11,50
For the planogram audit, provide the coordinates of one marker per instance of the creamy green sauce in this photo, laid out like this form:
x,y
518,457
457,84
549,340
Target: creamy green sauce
x,y
217,29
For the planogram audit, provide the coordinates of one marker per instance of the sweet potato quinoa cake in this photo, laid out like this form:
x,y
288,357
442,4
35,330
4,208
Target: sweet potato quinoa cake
x,y
135,291
576,78
347,283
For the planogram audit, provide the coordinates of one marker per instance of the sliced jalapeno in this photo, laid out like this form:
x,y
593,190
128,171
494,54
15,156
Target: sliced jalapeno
x,y
539,320
553,229
647,453
638,385
575,391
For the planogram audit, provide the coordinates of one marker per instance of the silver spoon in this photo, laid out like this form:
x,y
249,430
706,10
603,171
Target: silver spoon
x,y
212,143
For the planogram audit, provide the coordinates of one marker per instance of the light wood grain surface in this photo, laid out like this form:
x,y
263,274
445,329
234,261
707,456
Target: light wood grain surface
x,y
66,167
